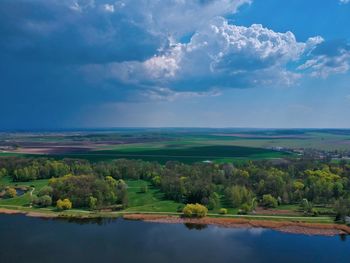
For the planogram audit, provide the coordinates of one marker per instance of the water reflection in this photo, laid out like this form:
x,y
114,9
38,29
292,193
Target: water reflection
x,y
192,226
343,237
87,221
25,239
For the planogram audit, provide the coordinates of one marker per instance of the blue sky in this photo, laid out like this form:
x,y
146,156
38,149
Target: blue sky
x,y
173,63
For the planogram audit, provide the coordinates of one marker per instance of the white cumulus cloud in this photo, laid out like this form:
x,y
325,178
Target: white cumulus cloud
x,y
324,65
220,55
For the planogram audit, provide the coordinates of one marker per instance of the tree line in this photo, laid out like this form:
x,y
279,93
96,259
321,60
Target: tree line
x,y
244,185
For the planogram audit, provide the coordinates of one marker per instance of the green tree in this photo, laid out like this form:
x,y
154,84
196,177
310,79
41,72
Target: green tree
x,y
64,204
238,195
195,210
42,201
3,172
223,211
92,203
342,209
269,201
10,192
214,201
46,190
245,209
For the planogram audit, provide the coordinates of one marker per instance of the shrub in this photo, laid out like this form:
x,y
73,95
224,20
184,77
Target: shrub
x,y
64,204
10,192
180,208
238,195
306,206
46,190
223,211
314,212
195,210
42,201
269,201
214,201
92,202
245,209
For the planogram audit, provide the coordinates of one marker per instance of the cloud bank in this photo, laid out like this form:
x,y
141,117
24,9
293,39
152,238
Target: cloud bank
x,y
94,52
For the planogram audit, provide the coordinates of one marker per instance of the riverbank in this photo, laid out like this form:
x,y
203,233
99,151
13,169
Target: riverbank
x,y
275,223
282,226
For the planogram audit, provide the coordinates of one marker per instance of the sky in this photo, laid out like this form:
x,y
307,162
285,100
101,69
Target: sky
x,y
174,63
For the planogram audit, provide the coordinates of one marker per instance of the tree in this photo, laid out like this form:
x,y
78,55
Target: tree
x,y
92,203
10,192
308,208
238,195
269,201
245,209
46,190
223,211
80,188
195,210
3,172
342,209
214,201
42,201
64,204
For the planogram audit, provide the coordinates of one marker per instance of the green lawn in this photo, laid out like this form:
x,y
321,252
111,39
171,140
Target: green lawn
x,y
151,201
23,200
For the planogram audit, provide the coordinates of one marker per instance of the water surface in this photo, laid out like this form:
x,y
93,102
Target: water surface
x,y
24,239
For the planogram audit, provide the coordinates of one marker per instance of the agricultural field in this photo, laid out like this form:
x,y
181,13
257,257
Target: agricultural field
x,y
184,145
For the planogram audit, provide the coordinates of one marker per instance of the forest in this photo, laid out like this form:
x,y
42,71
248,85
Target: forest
x,y
263,183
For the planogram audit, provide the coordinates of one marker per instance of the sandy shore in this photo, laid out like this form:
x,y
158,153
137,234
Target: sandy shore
x,y
28,213
285,226
282,226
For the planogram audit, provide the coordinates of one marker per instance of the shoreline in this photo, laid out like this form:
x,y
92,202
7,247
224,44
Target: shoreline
x,y
292,227
281,226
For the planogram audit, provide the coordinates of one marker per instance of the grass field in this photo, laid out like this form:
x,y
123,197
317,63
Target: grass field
x,y
185,151
151,201
23,200
184,145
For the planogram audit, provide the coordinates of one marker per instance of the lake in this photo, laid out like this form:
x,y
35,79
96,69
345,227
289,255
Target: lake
x,y
25,239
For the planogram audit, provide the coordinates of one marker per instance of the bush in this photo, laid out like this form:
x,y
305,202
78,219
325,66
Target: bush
x,y
314,212
92,203
238,195
42,201
214,201
46,190
180,208
245,209
195,210
3,172
269,201
223,211
306,206
64,204
10,192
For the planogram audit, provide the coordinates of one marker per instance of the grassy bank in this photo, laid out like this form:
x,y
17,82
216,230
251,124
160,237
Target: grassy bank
x,y
141,201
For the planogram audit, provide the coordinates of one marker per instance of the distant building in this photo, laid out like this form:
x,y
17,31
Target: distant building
x,y
207,161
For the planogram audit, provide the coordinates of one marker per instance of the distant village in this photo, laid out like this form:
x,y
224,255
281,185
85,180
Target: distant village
x,y
314,153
